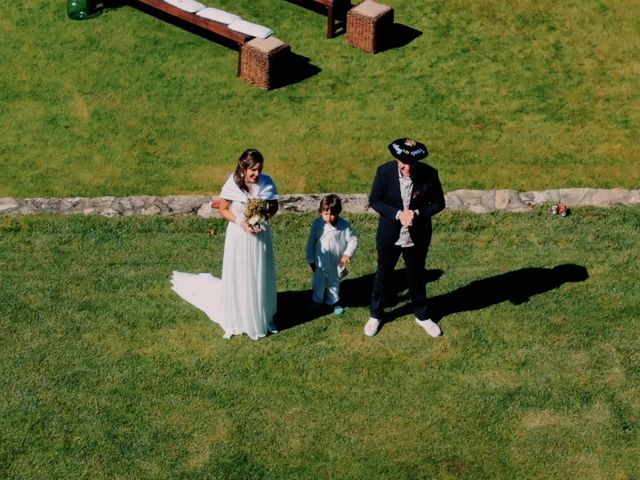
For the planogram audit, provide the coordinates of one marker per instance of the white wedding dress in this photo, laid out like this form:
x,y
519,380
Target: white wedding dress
x,y
244,300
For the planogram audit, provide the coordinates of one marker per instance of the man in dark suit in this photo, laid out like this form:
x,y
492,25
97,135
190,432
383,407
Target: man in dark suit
x,y
406,194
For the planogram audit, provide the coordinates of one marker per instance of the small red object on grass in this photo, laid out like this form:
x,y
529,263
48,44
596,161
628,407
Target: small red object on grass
x,y
560,209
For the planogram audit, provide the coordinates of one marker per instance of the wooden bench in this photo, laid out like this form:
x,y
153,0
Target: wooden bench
x,y
336,12
260,61
210,25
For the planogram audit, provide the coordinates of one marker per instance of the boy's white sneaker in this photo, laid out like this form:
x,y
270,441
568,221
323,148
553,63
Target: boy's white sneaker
x,y
371,327
430,327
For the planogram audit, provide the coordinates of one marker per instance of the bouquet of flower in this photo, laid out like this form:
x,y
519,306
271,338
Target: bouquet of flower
x,y
255,214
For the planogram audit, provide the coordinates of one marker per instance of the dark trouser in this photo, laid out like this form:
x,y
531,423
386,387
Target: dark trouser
x,y
415,259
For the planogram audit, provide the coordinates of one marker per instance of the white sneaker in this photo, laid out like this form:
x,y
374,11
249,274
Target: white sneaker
x,y
371,327
430,327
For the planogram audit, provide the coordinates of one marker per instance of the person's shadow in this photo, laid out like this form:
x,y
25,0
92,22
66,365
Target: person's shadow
x,y
293,306
516,286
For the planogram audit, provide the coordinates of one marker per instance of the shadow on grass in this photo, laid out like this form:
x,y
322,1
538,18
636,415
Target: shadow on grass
x,y
293,309
292,68
176,22
516,287
354,292
400,36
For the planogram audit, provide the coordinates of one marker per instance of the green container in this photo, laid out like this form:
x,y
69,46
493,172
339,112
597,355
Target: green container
x,y
82,9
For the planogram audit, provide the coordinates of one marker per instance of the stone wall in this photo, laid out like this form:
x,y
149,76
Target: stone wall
x,y
478,201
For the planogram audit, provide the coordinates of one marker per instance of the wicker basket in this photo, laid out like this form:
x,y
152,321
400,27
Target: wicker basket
x,y
262,62
369,26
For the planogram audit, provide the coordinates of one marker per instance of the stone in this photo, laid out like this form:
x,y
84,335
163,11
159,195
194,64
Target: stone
x,y
151,210
477,201
508,200
479,208
575,196
184,205
8,205
357,203
488,200
453,201
68,205
610,197
205,211
109,212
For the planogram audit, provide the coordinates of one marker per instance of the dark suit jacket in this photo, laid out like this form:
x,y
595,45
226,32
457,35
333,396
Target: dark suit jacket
x,y
427,199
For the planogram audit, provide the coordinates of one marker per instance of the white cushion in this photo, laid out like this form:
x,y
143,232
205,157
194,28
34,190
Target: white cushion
x,y
218,15
249,28
190,6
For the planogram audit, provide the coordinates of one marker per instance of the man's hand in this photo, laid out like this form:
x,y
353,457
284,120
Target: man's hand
x,y
406,218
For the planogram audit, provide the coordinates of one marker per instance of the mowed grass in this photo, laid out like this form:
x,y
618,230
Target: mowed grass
x,y
106,373
527,95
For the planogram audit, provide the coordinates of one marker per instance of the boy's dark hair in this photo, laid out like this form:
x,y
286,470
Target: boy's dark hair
x,y
332,203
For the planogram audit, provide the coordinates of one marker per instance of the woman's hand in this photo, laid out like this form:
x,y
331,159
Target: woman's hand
x,y
226,213
253,229
245,226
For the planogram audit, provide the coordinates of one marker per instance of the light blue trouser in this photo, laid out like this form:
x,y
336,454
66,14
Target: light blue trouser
x,y
326,286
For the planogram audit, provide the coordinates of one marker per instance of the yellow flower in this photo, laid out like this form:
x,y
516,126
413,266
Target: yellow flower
x,y
255,213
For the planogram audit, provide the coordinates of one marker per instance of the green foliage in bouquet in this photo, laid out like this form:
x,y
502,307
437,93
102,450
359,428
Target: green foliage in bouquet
x,y
256,213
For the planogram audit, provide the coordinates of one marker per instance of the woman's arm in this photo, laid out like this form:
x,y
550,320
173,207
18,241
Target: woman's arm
x,y
225,211
227,214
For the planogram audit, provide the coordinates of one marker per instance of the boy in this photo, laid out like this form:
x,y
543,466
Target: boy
x,y
330,246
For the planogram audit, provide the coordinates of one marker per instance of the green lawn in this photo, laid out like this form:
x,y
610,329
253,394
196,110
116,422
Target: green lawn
x,y
106,373
526,95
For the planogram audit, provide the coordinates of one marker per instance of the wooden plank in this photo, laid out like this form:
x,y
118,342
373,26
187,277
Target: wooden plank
x,y
336,11
210,25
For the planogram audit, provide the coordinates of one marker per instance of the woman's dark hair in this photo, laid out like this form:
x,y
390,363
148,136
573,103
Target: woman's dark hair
x,y
249,159
332,203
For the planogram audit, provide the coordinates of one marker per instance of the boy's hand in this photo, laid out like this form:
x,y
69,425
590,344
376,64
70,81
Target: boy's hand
x,y
344,261
313,267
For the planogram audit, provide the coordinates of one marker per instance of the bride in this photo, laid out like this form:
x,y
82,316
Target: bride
x,y
244,299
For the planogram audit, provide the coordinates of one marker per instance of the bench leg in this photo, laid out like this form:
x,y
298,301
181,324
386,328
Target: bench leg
x,y
336,12
331,28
